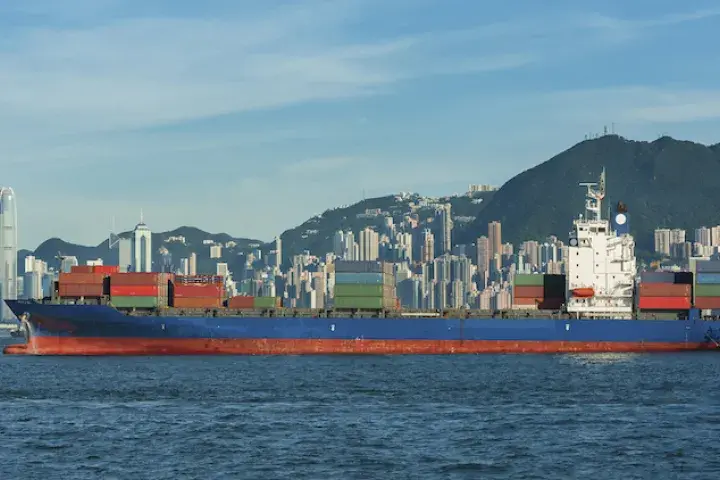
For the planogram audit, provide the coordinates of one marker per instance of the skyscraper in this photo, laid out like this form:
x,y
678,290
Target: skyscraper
x,y
443,214
278,252
495,239
142,248
8,248
369,245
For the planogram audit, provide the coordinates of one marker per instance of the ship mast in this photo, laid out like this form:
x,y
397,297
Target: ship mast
x,y
594,197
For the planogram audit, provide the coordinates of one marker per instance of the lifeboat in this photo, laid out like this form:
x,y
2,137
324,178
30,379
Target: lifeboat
x,y
586,292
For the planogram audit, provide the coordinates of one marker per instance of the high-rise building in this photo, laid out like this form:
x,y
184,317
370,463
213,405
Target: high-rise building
x,y
369,245
495,239
67,263
703,236
215,251
142,248
443,215
427,250
125,256
193,264
278,252
8,248
662,241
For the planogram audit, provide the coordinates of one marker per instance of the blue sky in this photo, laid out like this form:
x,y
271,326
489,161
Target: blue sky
x,y
249,117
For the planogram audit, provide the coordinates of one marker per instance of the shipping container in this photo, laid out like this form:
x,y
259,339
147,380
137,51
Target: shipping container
x,y
528,291
367,278
197,302
74,290
81,269
529,279
369,303
363,290
137,302
140,278
707,302
657,277
525,301
664,290
664,303
218,279
707,278
266,302
554,283
552,303
707,266
685,278
198,290
81,278
347,266
137,291
241,302
707,290
106,269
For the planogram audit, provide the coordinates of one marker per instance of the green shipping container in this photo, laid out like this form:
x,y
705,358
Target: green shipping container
x,y
369,303
363,290
265,302
707,290
137,302
529,280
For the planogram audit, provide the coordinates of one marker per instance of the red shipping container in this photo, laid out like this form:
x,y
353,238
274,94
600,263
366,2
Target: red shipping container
x,y
198,290
136,291
81,278
664,290
528,291
197,302
80,290
106,269
241,302
664,303
139,278
707,302
81,269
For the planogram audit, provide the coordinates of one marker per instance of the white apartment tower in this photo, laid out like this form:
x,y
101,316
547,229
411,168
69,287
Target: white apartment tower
x,y
142,247
8,248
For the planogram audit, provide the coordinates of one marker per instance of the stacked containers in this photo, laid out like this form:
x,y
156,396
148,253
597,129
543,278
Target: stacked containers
x,y
241,302
266,302
538,291
665,291
139,289
364,285
206,291
78,284
707,284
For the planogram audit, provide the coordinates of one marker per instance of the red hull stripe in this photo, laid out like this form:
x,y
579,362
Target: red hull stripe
x,y
159,346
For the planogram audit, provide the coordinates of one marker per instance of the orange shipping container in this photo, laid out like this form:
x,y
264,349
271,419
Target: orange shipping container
x,y
241,302
664,290
81,278
139,278
664,303
80,290
81,269
106,269
137,291
197,302
707,302
197,290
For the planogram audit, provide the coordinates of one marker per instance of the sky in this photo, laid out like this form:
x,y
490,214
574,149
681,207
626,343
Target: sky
x,y
250,117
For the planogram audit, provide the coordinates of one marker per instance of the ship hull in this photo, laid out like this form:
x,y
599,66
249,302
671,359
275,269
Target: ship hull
x,y
99,330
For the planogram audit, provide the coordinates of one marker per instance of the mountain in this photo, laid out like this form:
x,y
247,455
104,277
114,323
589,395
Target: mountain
x,y
316,234
193,242
665,183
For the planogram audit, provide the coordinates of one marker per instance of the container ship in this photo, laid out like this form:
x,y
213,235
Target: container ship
x,y
598,305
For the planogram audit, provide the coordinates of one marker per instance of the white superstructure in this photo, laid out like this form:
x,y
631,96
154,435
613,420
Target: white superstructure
x,y
601,265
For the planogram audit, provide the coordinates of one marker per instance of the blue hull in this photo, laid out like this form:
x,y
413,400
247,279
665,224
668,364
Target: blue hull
x,y
87,329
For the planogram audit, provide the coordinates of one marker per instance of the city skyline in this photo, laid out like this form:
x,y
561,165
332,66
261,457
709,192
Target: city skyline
x,y
354,95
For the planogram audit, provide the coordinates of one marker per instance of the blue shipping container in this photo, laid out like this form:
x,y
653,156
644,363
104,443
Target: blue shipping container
x,y
708,266
657,277
363,278
707,278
